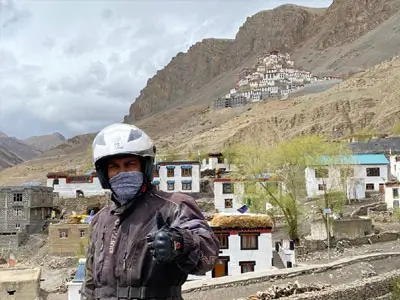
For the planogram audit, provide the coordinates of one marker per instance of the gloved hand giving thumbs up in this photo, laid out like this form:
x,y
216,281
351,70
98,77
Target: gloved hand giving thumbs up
x,y
166,243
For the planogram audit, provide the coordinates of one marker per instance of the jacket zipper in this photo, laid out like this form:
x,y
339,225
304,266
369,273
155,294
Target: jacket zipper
x,y
124,261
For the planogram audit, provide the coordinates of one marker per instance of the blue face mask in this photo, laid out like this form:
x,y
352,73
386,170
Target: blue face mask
x,y
126,185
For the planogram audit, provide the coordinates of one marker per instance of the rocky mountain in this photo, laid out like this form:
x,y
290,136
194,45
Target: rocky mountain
x,y
45,142
347,37
14,151
312,36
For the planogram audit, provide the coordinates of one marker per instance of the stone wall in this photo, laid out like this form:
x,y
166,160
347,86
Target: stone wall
x,y
381,216
20,284
79,205
342,229
363,210
12,241
307,245
369,288
72,239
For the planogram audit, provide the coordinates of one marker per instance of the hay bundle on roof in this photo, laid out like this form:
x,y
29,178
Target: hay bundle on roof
x,y
241,221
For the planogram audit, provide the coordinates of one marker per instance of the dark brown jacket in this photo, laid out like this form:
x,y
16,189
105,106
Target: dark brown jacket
x,y
119,264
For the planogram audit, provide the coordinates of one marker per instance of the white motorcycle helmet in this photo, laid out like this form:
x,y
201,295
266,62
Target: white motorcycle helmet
x,y
122,139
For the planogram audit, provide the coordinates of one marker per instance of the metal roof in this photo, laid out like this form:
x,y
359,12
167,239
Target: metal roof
x,y
80,273
359,159
381,145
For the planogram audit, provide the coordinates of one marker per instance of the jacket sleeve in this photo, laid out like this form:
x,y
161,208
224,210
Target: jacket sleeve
x,y
87,291
200,245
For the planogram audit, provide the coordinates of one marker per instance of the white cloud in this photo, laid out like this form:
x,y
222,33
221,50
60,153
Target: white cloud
x,y
76,66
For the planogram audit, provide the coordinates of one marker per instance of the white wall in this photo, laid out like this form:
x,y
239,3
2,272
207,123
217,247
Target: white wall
x,y
356,186
219,196
262,256
211,163
178,179
390,197
68,190
394,166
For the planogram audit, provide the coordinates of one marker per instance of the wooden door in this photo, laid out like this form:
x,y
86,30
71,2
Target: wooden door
x,y
220,268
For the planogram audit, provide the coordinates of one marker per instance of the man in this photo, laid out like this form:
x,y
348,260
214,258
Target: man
x,y
144,245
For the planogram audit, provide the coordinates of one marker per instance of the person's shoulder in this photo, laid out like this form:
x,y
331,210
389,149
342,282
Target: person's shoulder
x,y
176,197
103,212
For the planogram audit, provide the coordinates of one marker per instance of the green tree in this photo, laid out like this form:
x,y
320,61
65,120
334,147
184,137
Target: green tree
x,y
285,162
396,129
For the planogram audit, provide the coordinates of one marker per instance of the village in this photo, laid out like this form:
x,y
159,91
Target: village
x,y
274,76
251,240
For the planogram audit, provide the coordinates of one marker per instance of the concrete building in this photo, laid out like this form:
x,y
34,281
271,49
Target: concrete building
x,y
75,185
392,194
20,284
67,238
357,175
217,162
23,209
243,246
178,176
229,194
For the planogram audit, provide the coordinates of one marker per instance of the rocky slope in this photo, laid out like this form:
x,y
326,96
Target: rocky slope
x,y
45,142
309,34
14,151
371,98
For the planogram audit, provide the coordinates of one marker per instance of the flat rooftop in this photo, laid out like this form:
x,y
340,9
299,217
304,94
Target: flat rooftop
x,y
19,274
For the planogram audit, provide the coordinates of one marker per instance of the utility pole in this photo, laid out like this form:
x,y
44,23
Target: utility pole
x,y
327,212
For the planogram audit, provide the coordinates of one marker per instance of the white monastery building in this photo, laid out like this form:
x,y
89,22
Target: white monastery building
x,y
357,174
243,247
178,176
392,194
73,186
229,194
216,161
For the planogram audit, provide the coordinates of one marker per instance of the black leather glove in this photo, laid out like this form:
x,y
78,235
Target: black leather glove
x,y
166,243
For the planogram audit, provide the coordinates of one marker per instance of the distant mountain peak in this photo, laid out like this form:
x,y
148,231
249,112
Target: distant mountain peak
x,y
3,135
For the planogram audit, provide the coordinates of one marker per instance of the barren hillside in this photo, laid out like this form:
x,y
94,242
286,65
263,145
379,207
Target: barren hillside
x,y
45,142
321,40
370,98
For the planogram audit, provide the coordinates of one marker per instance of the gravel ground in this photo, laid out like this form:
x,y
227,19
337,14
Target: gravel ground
x,y
333,277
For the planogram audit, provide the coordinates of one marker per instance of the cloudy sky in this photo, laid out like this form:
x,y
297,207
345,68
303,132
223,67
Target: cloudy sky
x,y
76,66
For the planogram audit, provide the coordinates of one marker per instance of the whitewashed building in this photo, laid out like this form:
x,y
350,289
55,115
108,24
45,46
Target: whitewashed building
x,y
357,175
392,194
217,162
178,176
229,194
242,248
73,186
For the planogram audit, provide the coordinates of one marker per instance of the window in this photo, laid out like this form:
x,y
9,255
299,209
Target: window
x,y
56,181
17,197
170,172
369,187
249,241
186,172
373,172
18,212
220,160
321,187
223,240
82,233
18,226
395,193
321,173
346,172
228,203
395,203
186,186
227,188
171,186
63,233
247,266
